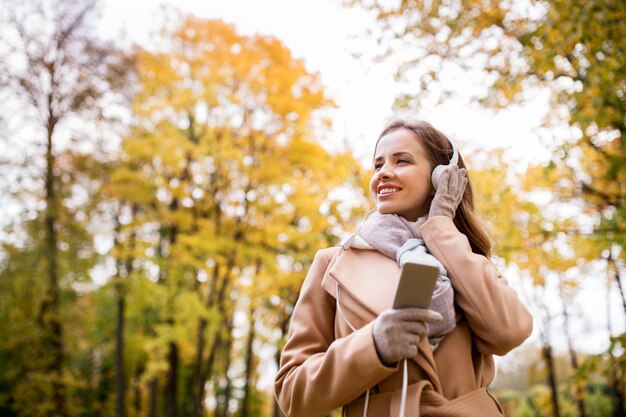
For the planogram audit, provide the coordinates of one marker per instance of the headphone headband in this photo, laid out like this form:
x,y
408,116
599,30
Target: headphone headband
x,y
455,155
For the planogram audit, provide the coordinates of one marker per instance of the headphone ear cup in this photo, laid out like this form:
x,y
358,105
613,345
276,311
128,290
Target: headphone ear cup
x,y
436,175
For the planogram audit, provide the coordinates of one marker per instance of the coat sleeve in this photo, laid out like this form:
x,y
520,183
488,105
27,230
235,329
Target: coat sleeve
x,y
494,312
318,373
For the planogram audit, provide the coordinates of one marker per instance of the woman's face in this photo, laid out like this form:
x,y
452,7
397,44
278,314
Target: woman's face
x,y
401,180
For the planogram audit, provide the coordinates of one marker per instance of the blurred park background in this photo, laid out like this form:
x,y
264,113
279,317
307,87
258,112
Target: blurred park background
x,y
166,178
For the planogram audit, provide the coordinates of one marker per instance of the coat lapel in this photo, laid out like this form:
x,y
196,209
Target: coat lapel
x,y
368,276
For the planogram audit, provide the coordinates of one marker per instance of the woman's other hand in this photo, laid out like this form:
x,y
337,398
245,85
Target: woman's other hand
x,y
449,192
398,331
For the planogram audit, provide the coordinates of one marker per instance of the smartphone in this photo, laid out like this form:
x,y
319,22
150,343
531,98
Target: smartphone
x,y
416,285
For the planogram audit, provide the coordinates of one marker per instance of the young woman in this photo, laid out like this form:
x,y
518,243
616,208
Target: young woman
x,y
347,348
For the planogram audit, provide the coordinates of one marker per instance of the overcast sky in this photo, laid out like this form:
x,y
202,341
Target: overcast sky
x,y
324,35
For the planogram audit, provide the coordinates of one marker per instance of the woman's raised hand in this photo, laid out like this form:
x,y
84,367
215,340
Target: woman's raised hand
x,y
449,192
398,331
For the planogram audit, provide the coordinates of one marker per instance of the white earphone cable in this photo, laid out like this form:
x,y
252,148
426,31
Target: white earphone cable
x,y
340,311
405,385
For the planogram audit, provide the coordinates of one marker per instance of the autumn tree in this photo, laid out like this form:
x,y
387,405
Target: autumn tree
x,y
226,175
55,76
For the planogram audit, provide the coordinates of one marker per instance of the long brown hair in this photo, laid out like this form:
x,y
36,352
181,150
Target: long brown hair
x,y
439,152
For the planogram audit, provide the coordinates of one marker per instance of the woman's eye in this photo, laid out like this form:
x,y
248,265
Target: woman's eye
x,y
377,166
403,161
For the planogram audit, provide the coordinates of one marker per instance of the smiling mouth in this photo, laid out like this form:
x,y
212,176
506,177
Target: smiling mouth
x,y
388,191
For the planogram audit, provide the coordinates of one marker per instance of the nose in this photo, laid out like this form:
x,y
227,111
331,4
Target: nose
x,y
384,173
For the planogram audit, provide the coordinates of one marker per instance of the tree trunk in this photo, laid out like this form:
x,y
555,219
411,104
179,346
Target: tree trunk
x,y
227,359
546,350
612,267
621,288
137,393
549,361
277,411
168,236
284,325
119,351
223,398
208,371
196,381
154,391
171,388
210,374
618,388
49,314
120,293
617,384
124,269
579,391
225,321
616,375
247,397
200,377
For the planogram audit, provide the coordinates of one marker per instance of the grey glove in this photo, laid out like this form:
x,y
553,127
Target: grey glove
x,y
398,331
449,192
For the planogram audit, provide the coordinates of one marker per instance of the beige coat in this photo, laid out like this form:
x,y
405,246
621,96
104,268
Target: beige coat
x,y
326,365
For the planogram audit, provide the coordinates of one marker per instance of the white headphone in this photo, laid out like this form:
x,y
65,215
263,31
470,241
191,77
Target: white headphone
x,y
436,175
